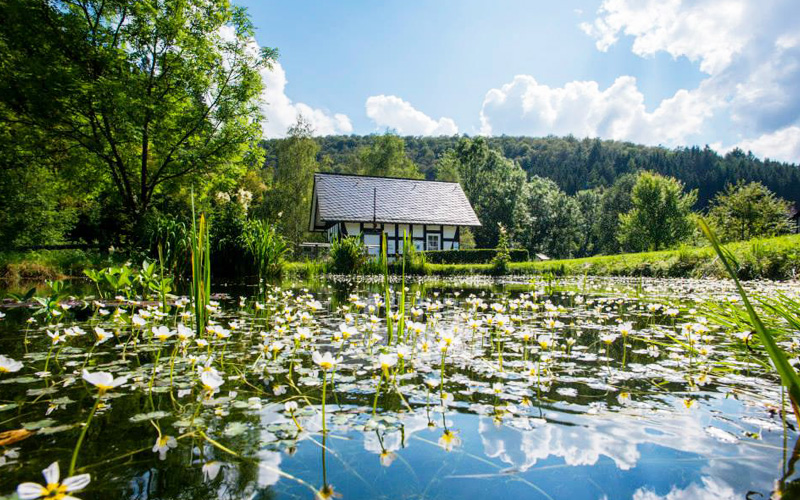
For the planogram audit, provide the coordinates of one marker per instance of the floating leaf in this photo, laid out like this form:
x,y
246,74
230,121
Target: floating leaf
x,y
31,426
153,415
234,429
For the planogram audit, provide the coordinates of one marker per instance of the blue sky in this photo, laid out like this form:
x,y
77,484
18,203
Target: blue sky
x,y
651,71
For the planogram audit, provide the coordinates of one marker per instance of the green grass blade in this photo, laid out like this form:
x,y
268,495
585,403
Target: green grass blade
x,y
786,371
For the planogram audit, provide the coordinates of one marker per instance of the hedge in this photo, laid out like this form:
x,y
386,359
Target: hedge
x,y
472,256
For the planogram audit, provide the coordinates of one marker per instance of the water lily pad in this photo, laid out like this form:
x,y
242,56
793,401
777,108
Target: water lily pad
x,y
143,417
234,429
47,422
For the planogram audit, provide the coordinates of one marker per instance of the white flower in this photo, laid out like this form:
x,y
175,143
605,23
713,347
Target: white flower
x,y
211,470
103,381
8,365
347,331
545,341
162,333
290,406
403,351
53,488
184,332
55,337
609,338
163,445
211,380
102,335
387,361
325,361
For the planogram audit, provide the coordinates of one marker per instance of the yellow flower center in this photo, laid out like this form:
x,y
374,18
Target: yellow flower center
x,y
326,365
54,491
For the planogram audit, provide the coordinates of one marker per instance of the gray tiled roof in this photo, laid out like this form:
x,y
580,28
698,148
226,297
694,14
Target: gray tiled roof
x,y
350,198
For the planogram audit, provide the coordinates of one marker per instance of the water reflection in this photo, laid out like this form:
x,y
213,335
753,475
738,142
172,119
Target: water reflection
x,y
581,420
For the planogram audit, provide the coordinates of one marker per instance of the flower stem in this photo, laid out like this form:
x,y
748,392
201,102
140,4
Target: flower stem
x,y
83,434
324,388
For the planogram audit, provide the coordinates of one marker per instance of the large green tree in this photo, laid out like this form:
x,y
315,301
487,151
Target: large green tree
x,y
749,210
547,220
589,203
661,216
492,183
615,201
295,164
153,92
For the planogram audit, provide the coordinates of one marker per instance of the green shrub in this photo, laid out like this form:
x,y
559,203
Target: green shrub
x,y
473,256
414,260
266,246
503,256
348,255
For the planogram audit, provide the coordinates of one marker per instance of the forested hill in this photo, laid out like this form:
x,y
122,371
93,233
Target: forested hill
x,y
576,164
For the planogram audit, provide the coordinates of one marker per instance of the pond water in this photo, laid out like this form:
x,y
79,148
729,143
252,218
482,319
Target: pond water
x,y
584,388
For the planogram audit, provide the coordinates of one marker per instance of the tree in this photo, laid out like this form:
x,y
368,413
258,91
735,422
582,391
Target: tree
x,y
661,215
492,184
614,202
748,210
386,157
296,162
589,204
547,220
152,91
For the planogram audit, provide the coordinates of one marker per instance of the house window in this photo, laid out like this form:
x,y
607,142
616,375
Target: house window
x,y
433,242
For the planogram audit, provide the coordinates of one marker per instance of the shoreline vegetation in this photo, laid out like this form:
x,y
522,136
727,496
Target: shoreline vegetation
x,y
775,258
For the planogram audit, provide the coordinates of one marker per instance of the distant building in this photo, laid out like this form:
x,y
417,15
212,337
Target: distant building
x,y
432,213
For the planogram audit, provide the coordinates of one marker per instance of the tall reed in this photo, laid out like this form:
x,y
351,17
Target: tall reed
x,y
787,373
387,292
200,255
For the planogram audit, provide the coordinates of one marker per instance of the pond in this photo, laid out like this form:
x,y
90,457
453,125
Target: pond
x,y
578,388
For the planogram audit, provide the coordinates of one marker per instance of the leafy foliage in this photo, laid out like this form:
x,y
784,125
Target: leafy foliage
x,y
503,256
150,92
266,246
493,184
661,214
747,210
290,196
348,254
547,220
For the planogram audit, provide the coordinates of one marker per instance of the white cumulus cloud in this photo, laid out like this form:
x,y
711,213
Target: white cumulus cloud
x,y
281,113
748,49
389,111
781,145
526,107
709,31
278,110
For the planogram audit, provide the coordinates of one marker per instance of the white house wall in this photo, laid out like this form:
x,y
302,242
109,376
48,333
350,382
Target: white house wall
x,y
448,235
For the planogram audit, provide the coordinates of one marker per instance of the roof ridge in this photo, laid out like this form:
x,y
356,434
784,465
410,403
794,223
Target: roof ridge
x,y
361,176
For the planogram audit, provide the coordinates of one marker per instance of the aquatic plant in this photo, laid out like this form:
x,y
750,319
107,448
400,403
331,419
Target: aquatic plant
x,y
200,256
348,254
786,371
267,247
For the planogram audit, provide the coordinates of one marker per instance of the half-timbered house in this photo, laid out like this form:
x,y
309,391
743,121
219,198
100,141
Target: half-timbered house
x,y
432,213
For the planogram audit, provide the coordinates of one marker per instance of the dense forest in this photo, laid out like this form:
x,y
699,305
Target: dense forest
x,y
578,164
